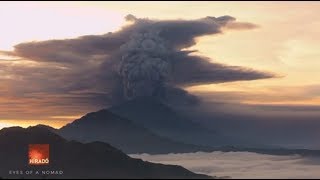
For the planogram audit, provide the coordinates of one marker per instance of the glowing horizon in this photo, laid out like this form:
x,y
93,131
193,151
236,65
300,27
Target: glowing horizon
x,y
286,43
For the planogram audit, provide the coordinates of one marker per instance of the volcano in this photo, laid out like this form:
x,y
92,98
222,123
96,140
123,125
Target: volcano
x,y
162,120
122,133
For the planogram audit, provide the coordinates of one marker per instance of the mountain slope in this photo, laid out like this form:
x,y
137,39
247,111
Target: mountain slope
x,y
163,121
77,160
121,133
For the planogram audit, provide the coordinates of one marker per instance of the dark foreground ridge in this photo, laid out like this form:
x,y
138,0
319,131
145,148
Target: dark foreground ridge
x,y
77,160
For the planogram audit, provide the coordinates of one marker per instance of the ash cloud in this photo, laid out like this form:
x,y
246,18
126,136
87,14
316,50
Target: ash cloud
x,y
144,58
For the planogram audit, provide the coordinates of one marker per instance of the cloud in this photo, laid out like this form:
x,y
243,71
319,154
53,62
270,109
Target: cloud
x,y
145,57
242,165
205,72
285,126
239,26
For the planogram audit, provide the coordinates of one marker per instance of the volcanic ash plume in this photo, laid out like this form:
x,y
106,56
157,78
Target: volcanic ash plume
x,y
143,58
145,65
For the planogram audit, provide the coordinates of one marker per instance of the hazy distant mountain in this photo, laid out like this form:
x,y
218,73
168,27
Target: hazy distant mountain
x,y
162,120
121,133
271,151
77,160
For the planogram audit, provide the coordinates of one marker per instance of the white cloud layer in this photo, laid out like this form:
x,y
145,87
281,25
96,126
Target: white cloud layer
x,y
242,165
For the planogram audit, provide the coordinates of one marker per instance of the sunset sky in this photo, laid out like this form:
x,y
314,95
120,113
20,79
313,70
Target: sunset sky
x,y
285,42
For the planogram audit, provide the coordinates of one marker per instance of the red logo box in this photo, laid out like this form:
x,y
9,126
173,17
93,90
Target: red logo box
x,y
38,154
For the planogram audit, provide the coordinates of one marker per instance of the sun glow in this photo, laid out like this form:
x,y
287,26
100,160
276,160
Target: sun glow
x,y
28,122
4,125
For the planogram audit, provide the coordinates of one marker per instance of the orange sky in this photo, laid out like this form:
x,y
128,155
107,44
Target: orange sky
x,y
286,43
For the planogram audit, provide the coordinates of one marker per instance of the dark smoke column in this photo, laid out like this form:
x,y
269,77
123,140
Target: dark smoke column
x,y
145,64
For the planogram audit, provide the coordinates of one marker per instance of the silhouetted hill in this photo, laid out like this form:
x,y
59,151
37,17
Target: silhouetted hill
x,y
163,121
77,160
121,133
47,127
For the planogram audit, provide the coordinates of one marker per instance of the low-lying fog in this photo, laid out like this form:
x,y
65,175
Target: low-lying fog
x,y
241,164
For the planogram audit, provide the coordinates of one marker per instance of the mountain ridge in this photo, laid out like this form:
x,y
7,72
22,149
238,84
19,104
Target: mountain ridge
x,y
162,120
122,133
77,160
